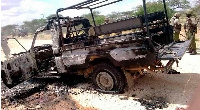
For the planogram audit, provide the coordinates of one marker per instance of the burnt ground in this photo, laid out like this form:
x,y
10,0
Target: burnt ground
x,y
38,93
71,92
44,93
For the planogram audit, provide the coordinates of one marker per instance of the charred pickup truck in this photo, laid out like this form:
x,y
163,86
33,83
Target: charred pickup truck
x,y
79,48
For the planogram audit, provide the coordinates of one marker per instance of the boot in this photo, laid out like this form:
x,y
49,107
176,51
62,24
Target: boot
x,y
194,52
189,51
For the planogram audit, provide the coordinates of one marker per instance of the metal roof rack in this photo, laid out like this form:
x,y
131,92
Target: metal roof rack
x,y
90,4
93,4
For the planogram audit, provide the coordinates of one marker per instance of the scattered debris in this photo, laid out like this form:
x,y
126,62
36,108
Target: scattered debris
x,y
153,103
172,71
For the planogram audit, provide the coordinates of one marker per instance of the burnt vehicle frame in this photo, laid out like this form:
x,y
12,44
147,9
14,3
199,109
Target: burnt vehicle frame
x,y
109,61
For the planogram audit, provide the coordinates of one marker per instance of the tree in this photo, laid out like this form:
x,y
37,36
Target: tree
x,y
198,6
174,4
115,15
197,2
120,15
153,7
53,15
127,13
99,19
9,30
32,26
195,9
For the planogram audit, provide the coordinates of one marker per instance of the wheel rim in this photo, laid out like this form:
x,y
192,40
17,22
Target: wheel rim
x,y
105,81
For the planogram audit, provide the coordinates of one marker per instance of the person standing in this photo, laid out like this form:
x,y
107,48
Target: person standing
x,y
172,20
198,21
177,26
106,22
190,30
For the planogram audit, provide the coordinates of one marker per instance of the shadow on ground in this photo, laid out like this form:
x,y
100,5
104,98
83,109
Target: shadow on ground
x,y
172,88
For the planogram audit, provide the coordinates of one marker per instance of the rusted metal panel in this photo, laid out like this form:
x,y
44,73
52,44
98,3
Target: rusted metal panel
x,y
19,68
118,26
23,66
59,64
174,50
130,53
75,57
55,41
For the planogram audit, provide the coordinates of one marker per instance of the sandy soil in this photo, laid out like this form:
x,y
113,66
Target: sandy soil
x,y
175,90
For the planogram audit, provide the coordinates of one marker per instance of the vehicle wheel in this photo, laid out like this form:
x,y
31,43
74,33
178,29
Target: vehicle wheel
x,y
4,80
108,79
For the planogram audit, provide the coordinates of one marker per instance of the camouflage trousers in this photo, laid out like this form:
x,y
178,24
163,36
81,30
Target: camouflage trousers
x,y
193,43
176,36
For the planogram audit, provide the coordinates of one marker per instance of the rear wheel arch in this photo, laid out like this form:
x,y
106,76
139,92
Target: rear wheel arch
x,y
97,61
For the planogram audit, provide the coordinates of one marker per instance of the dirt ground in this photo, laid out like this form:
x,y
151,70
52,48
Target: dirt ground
x,y
162,91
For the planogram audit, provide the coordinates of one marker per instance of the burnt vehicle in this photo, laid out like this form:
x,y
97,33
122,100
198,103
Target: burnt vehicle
x,y
78,49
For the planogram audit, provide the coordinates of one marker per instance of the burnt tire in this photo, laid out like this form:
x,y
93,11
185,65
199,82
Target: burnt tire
x,y
108,79
4,80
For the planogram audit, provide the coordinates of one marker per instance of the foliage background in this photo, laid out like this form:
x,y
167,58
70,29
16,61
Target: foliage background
x,y
30,27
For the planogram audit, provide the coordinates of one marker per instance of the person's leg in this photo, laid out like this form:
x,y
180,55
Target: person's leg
x,y
193,45
188,35
176,36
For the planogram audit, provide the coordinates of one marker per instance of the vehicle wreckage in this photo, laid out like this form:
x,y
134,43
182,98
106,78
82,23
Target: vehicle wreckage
x,y
77,49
